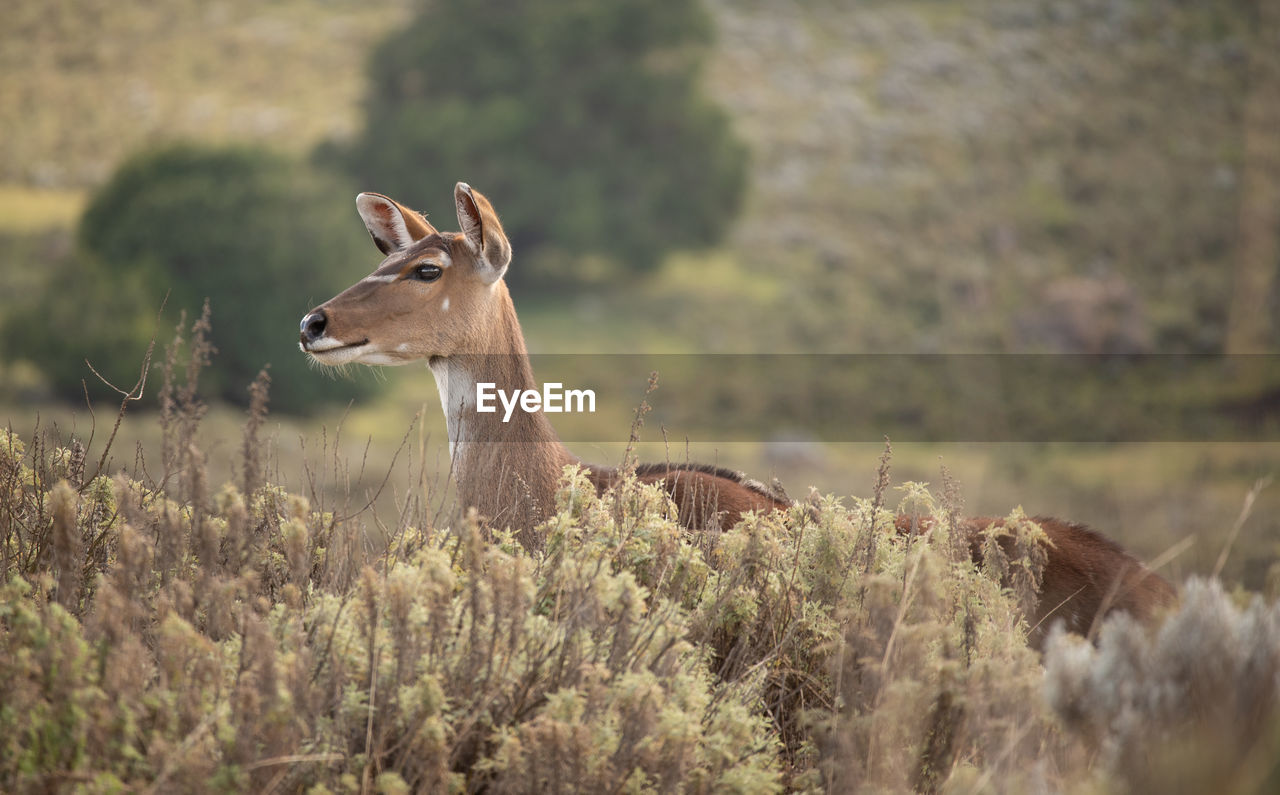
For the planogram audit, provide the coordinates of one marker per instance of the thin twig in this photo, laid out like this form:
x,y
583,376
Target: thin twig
x,y
628,457
1169,554
138,387
390,469
1245,510
293,759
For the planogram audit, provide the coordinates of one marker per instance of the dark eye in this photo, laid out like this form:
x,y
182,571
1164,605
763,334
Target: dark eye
x,y
426,273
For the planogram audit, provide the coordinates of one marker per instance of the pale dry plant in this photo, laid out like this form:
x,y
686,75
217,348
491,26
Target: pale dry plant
x,y
1191,707
935,686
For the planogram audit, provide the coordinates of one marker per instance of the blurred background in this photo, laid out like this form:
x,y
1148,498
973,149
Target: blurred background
x,y
677,177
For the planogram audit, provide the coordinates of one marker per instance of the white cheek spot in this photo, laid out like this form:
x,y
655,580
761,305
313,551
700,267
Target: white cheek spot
x,y
444,305
402,347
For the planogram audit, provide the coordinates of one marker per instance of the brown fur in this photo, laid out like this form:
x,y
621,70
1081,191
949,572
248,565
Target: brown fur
x,y
1086,575
464,325
706,496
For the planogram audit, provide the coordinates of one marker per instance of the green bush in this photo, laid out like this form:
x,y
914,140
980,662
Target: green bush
x,y
583,121
262,237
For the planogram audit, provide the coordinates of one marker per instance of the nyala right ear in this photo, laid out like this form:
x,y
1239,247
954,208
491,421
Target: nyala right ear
x,y
392,226
483,232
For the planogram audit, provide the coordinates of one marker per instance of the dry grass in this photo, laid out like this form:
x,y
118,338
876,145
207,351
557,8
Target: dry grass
x,y
161,634
29,210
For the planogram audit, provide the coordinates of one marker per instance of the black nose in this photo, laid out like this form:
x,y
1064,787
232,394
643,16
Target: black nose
x,y
312,326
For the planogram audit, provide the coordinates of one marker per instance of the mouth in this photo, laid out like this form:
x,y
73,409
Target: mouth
x,y
328,350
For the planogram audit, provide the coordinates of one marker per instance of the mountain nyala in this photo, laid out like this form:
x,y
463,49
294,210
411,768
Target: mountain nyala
x,y
440,297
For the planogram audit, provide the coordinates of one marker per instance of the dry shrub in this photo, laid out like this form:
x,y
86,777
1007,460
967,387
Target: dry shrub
x,y
904,670
157,634
1191,707
217,651
233,641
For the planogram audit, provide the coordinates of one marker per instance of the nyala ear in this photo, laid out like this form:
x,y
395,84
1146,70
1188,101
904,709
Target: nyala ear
x,y
483,232
391,225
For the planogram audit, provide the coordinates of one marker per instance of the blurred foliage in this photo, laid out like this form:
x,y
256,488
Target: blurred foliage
x,y
584,122
262,237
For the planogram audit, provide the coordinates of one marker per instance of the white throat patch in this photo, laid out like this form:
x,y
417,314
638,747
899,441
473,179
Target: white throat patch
x,y
457,395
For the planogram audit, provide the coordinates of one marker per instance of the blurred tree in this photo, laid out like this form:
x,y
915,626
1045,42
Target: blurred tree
x,y
85,313
263,237
584,122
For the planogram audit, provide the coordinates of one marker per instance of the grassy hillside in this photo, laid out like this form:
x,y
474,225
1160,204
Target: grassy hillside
x,y
88,82
942,176
990,175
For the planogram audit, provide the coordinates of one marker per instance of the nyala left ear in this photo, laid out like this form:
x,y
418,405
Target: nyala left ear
x,y
483,232
392,226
